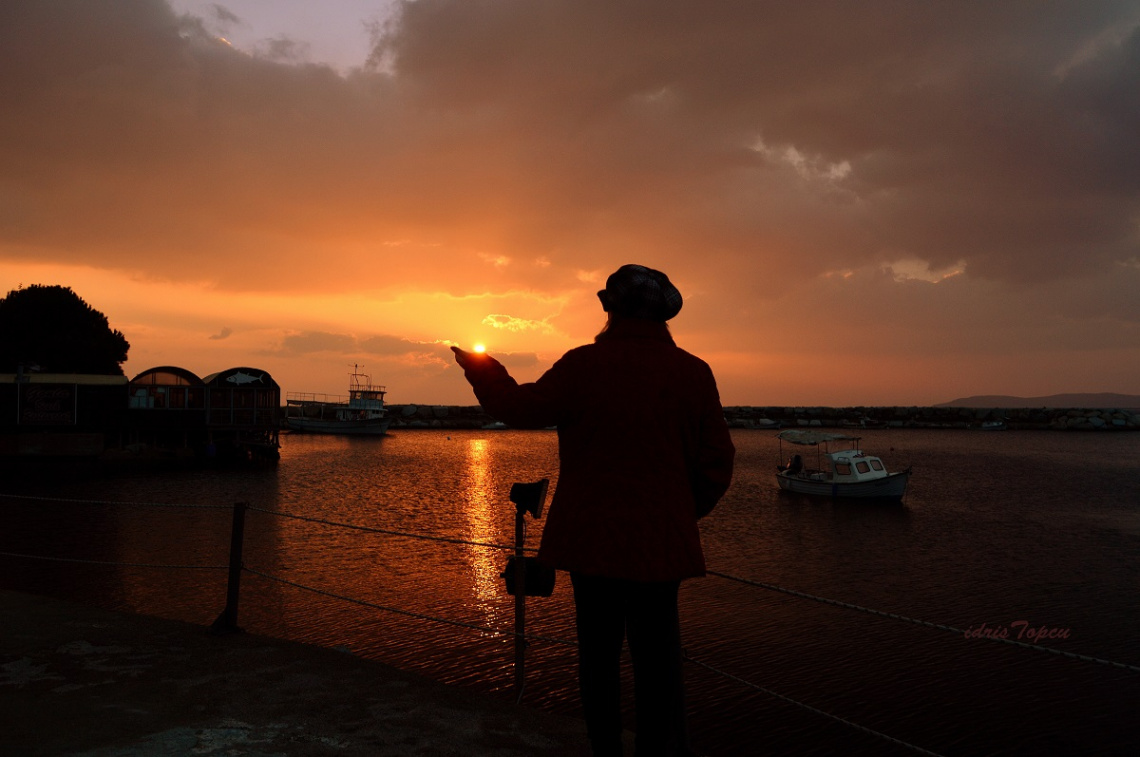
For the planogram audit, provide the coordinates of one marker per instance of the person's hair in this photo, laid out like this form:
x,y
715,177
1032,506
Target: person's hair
x,y
605,326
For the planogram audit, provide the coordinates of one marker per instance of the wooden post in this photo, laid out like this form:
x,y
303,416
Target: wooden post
x,y
227,621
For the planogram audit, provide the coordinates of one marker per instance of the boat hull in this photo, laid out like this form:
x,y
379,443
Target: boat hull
x,y
892,486
365,427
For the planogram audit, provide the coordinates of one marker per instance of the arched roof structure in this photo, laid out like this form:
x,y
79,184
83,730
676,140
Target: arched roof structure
x,y
167,375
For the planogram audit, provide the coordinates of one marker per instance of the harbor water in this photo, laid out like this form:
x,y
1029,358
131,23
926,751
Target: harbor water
x,y
1032,536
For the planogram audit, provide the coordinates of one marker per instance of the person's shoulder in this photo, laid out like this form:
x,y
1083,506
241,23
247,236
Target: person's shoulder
x,y
577,353
690,358
694,367
575,356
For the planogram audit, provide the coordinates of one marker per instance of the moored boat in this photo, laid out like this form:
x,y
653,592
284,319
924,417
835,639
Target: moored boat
x,y
846,472
362,413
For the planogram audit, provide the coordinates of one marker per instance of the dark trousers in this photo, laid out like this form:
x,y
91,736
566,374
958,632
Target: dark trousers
x,y
607,611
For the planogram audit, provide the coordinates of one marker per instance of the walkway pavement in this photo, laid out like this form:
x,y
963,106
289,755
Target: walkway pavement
x,y
85,682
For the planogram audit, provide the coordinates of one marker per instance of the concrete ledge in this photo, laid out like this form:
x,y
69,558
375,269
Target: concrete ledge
x,y
86,682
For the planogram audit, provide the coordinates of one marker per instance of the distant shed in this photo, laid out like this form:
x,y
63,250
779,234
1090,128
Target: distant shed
x,y
163,412
60,414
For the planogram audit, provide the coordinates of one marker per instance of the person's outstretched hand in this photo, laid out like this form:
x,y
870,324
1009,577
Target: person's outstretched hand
x,y
465,358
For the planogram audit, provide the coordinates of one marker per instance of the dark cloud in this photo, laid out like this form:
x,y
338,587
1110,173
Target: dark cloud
x,y
224,15
394,345
947,131
316,342
807,132
284,50
380,345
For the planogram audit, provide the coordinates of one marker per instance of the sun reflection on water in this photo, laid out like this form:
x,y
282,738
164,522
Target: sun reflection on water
x,y
479,510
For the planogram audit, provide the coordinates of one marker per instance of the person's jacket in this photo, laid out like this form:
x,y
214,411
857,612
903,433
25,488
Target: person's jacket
x,y
643,446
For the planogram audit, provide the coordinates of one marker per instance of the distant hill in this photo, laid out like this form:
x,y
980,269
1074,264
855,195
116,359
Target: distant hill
x,y
1091,401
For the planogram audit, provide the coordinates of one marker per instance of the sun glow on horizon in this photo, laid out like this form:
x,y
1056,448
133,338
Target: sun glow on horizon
x,y
479,348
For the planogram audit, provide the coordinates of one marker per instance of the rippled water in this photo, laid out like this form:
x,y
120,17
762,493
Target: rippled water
x,y
998,528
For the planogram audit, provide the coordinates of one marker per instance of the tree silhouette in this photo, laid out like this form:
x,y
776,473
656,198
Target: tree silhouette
x,y
53,328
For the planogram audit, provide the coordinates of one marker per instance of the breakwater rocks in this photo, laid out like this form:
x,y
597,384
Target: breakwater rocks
x,y
757,417
438,416
1045,418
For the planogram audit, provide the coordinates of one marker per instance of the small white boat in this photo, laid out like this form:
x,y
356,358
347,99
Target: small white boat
x,y
847,472
362,413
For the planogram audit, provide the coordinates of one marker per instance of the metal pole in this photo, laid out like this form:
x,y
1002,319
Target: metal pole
x,y
227,621
520,604
527,498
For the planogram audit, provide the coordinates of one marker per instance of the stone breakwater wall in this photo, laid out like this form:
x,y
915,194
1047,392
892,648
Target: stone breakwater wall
x,y
759,417
438,416
1058,419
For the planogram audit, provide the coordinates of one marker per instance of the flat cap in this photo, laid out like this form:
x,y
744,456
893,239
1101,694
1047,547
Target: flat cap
x,y
634,291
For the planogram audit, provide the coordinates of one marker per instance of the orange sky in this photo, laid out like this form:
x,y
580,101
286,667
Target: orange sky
x,y
877,203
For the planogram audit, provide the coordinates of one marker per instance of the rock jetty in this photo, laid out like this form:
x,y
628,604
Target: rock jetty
x,y
760,417
1058,419
438,416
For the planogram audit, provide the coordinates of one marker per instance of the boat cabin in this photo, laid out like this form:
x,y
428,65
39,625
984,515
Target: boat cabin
x,y
852,465
365,399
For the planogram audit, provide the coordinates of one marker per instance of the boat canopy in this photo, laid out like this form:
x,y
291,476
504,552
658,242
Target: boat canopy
x,y
809,436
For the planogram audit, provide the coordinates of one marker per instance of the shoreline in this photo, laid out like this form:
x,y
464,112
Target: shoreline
x,y
19,450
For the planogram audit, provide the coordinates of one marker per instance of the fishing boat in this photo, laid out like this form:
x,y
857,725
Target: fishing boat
x,y
361,413
846,472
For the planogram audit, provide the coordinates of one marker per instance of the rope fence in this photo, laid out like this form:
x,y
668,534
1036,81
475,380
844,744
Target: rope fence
x,y
113,502
227,620
809,708
924,623
108,562
388,532
374,606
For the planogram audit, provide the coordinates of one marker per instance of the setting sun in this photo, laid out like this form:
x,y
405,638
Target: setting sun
x,y
479,348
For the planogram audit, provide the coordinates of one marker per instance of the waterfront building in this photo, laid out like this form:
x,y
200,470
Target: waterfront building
x,y
163,412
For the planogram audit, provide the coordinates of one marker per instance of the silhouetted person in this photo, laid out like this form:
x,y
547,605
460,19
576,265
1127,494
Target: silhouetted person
x,y
644,452
794,466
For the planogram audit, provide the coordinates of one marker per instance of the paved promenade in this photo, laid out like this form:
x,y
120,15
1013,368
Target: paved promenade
x,y
85,682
